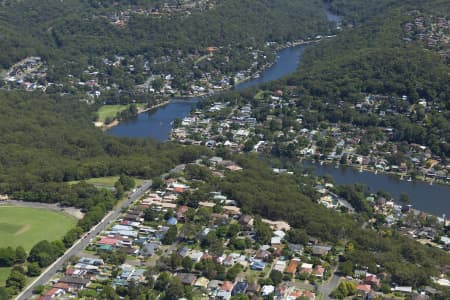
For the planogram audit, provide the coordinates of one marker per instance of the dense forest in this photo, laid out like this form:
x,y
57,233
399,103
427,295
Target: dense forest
x,y
46,142
72,35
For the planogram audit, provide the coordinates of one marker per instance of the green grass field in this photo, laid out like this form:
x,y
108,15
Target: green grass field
x,y
23,226
4,273
109,111
106,182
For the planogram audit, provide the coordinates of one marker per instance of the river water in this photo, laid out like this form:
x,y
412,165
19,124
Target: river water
x,y
434,199
158,123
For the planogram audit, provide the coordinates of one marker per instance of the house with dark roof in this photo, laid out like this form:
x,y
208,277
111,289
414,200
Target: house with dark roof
x,y
187,278
239,288
75,283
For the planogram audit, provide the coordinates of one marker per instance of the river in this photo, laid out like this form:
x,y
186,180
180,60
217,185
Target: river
x,y
158,123
434,199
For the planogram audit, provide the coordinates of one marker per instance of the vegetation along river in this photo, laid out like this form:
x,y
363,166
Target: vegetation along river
x,y
158,123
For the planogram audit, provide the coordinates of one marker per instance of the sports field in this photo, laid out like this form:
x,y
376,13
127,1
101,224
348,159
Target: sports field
x,y
24,226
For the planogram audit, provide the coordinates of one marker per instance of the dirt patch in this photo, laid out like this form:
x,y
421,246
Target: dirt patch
x,y
75,212
24,229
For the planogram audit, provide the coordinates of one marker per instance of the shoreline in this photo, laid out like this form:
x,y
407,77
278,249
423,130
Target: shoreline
x,y
396,175
105,127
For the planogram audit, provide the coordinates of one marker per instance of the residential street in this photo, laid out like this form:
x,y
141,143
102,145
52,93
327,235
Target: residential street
x,y
327,287
82,243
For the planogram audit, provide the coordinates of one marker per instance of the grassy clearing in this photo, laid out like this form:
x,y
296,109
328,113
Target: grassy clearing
x,y
24,226
4,273
106,182
109,111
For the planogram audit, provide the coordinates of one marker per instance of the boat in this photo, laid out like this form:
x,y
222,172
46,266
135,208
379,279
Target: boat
x,y
409,179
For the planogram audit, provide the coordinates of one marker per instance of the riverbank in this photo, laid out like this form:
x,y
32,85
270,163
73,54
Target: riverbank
x,y
401,176
115,122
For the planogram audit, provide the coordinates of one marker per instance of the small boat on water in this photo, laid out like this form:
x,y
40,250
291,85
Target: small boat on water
x,y
409,179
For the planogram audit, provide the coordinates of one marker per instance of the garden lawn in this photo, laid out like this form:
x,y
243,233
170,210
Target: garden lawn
x,y
25,226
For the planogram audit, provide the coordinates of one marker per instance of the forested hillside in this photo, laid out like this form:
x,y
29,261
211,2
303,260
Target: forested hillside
x,y
376,58
45,142
76,31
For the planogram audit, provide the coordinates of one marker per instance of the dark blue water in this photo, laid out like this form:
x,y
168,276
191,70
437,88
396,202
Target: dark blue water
x,y
155,123
434,198
287,62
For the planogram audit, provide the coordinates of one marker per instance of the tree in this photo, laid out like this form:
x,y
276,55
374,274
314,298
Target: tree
x,y
33,269
262,231
347,268
16,281
297,236
175,290
21,255
276,277
404,198
233,272
108,293
150,214
171,235
162,282
4,293
7,257
187,263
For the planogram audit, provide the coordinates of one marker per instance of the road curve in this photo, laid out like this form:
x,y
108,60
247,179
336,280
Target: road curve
x,y
48,273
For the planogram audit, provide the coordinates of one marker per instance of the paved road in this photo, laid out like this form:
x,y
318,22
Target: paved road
x,y
327,287
82,243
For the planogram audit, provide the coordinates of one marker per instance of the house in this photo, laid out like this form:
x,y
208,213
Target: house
x,y
215,160
296,248
183,252
227,286
149,248
319,271
262,254
75,283
53,293
239,288
91,261
108,241
292,267
372,280
181,211
223,295
362,290
318,250
403,289
275,241
214,284
187,278
306,268
202,282
267,290
196,256
253,288
257,265
280,266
